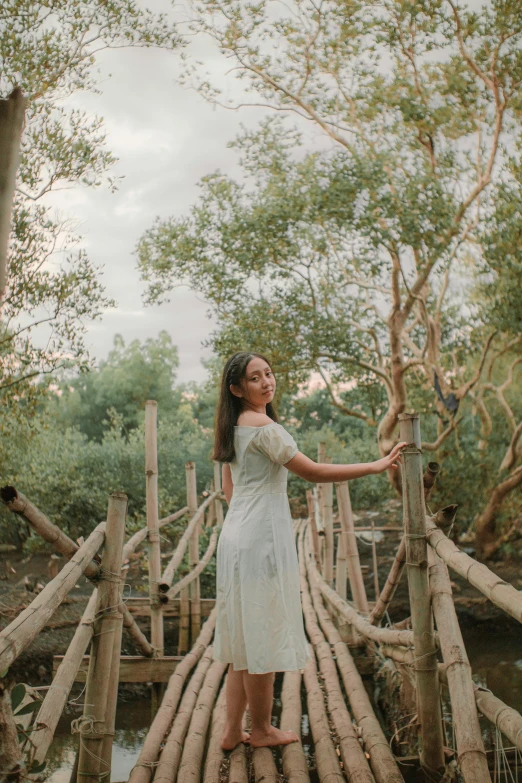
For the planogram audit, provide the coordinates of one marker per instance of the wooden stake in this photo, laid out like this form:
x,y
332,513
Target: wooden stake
x,y
470,748
328,528
341,572
388,591
353,563
429,478
96,727
315,537
194,587
375,568
12,113
143,770
218,488
18,634
428,693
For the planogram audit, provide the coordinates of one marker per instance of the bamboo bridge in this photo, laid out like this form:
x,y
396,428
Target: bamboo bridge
x,y
422,668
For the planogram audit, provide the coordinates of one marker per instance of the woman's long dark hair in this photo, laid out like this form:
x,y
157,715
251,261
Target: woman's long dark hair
x,y
229,406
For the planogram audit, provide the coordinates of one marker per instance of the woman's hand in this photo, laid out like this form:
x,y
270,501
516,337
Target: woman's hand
x,y
392,460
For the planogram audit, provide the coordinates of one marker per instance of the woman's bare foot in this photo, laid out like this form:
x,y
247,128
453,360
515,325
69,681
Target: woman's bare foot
x,y
229,740
274,736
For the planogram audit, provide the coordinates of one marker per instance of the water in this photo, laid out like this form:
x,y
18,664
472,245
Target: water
x,y
496,659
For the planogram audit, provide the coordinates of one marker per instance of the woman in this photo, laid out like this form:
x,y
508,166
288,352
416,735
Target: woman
x,y
259,625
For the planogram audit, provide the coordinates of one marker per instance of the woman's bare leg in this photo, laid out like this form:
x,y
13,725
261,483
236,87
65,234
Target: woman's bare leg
x,y
236,704
260,694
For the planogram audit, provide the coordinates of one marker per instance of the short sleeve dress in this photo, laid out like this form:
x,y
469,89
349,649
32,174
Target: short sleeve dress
x,y
259,624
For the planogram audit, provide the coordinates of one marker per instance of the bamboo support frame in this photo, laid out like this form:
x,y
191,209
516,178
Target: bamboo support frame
x,y
135,540
354,760
295,767
28,624
143,769
154,551
56,697
382,761
199,568
426,671
215,753
19,504
499,592
179,553
392,582
470,748
194,588
350,547
96,727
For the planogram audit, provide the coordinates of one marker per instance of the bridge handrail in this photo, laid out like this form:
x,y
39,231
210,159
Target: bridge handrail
x,y
20,633
200,566
135,540
499,592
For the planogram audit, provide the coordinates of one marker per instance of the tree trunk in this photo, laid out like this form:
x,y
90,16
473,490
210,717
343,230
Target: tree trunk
x,y
485,525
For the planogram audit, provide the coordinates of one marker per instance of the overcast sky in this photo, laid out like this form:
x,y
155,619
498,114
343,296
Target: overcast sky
x,y
166,138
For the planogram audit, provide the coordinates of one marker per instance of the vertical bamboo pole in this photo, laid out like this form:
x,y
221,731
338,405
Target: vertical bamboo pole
x,y
96,726
375,564
428,695
315,536
12,112
321,455
154,552
217,486
194,587
340,568
470,748
353,563
328,529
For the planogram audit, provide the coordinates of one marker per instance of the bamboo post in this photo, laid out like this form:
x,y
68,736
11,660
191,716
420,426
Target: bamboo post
x,y
353,563
144,768
388,591
56,697
320,513
429,478
154,549
28,624
12,112
340,569
218,488
313,525
194,587
328,528
470,748
427,678
375,564
96,726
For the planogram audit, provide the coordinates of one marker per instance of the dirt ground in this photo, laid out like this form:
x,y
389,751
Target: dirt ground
x,y
21,575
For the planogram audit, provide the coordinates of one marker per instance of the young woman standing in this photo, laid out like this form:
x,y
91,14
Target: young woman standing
x,y
259,625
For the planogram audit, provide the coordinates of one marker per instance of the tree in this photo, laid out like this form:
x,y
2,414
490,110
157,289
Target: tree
x,y
49,50
364,255
120,386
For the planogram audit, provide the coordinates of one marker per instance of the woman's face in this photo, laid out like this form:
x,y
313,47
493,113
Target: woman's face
x,y
259,384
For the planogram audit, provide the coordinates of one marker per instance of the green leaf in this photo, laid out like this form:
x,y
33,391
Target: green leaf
x,y
35,767
33,706
17,695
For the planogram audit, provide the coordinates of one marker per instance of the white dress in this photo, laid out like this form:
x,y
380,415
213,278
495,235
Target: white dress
x,y
259,623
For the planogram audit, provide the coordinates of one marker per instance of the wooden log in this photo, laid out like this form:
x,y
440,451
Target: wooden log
x,y
361,624
382,761
328,528
133,668
154,550
189,578
12,114
428,692
140,607
194,584
238,772
295,766
215,753
350,543
508,720
375,565
143,770
135,540
19,504
264,766
470,748
218,504
169,759
499,592
429,478
313,525
341,571
354,760
96,726
65,675
179,553
388,591
21,632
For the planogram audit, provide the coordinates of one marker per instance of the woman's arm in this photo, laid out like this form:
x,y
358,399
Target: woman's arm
x,y
323,473
228,484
